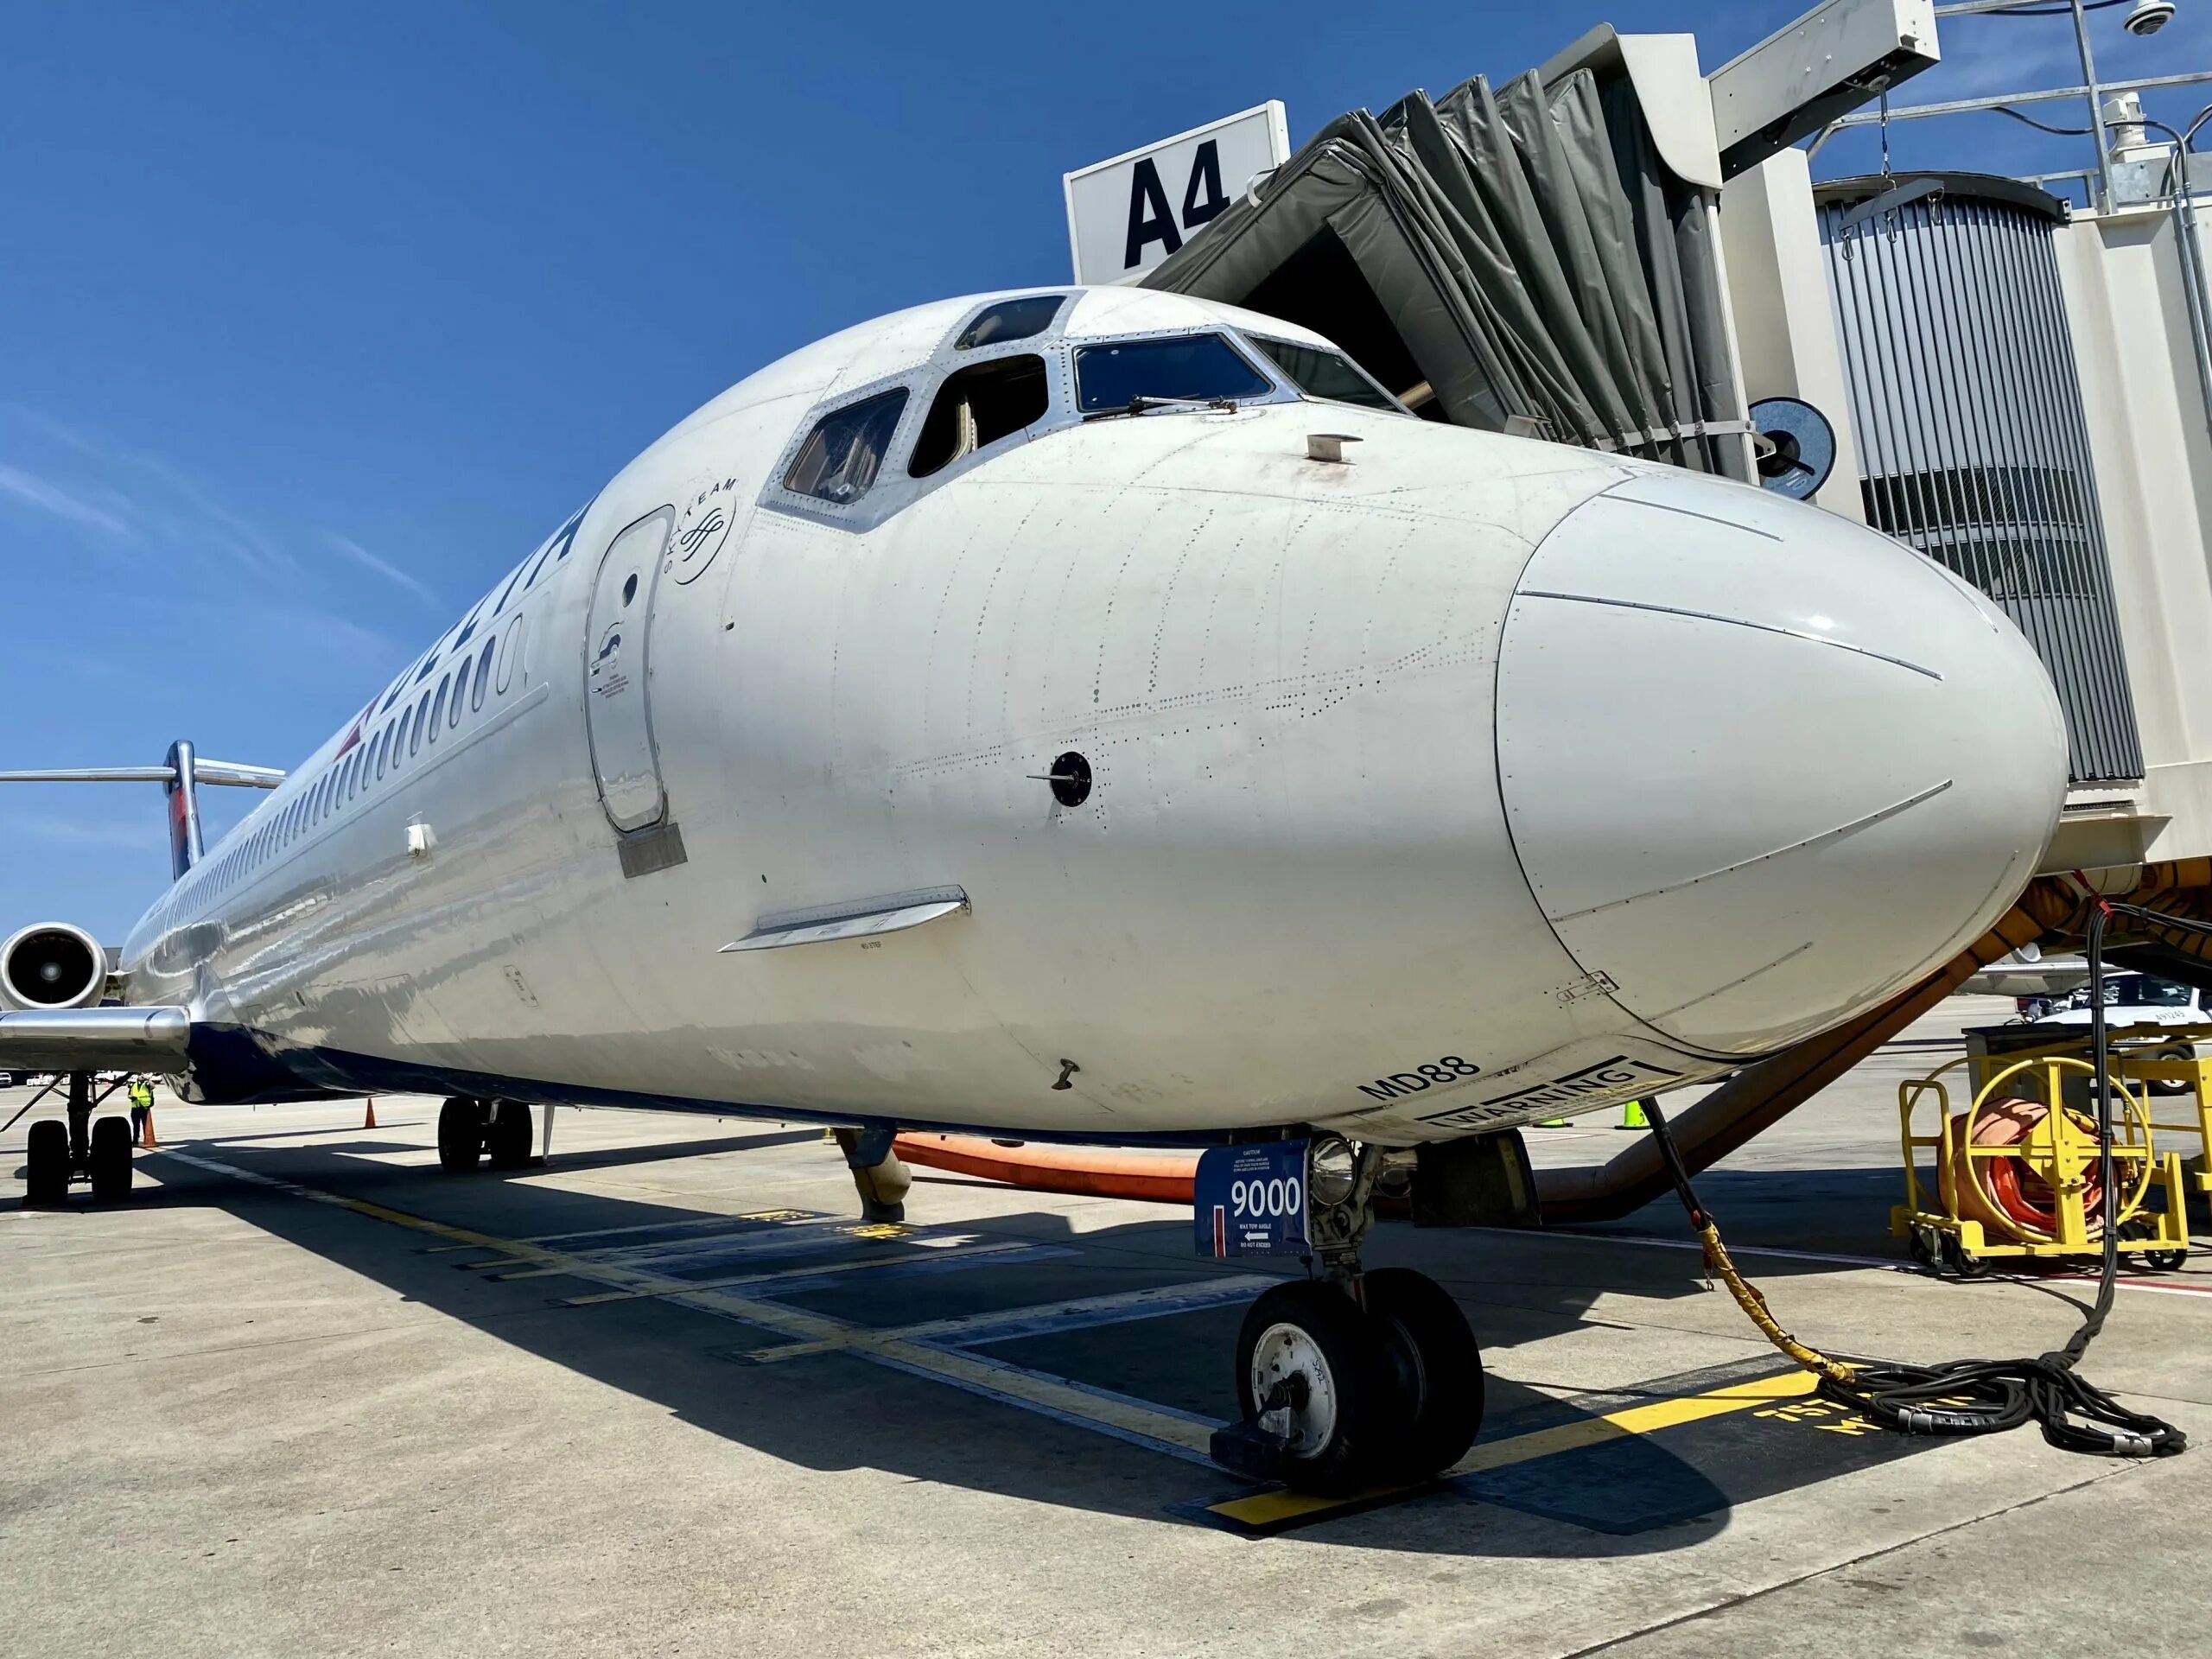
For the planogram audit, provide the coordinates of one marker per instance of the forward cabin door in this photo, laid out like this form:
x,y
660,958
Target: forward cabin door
x,y
617,702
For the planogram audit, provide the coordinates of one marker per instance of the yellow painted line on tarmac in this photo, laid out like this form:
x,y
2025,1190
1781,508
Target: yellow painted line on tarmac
x,y
1122,1417
1266,1509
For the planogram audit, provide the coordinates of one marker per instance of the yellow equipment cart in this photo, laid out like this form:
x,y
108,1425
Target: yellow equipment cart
x,y
2016,1172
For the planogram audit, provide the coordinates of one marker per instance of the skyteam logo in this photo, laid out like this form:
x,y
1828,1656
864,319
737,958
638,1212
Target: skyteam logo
x,y
703,528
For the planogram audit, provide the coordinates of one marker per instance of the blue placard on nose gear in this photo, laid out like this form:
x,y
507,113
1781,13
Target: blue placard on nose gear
x,y
1250,1200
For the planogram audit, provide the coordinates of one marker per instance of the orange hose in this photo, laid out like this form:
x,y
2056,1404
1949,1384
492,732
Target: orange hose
x,y
1086,1172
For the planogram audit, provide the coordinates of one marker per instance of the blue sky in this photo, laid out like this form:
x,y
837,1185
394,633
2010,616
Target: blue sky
x,y
314,319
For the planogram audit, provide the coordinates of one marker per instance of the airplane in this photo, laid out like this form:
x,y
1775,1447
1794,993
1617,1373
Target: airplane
x,y
1108,716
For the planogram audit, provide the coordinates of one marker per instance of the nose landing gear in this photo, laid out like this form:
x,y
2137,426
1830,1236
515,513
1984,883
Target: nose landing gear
x,y
1354,1380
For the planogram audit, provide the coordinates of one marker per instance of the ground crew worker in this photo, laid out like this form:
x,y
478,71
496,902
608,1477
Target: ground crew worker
x,y
142,1102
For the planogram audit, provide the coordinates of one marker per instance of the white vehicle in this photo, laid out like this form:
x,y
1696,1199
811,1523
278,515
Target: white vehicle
x,y
2134,1004
1108,716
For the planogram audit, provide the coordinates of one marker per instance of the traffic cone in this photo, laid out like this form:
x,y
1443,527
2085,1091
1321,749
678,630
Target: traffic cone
x,y
1553,1123
146,1141
369,1122
1632,1116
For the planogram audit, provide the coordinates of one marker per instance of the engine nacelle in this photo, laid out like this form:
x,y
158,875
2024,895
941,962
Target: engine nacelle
x,y
52,965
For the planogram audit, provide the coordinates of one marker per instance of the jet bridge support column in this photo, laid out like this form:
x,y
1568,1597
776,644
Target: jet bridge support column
x,y
881,1178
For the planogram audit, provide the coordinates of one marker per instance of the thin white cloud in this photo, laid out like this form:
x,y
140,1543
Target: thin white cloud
x,y
390,572
50,498
76,832
244,540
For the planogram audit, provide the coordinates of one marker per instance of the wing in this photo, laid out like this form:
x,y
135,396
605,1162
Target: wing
x,y
94,1039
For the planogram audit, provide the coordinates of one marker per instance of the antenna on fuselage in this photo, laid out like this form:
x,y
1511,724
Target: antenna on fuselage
x,y
180,776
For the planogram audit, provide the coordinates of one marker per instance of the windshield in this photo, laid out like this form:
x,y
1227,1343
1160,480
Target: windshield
x,y
2145,991
1191,369
1319,373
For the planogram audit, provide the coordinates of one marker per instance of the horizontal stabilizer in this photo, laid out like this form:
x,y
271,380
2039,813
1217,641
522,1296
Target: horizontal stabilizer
x,y
94,1039
855,919
235,773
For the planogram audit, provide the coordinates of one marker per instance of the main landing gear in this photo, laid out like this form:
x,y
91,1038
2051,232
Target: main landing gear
x,y
495,1131
80,1150
1355,1379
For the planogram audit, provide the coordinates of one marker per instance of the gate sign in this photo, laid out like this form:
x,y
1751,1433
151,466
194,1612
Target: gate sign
x,y
1128,215
1250,1200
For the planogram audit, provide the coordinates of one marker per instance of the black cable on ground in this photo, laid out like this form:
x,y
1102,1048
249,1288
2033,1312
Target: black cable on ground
x,y
1978,1396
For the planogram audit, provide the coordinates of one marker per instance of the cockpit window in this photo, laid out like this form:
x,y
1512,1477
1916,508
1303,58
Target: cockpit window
x,y
1319,373
840,456
979,405
1186,369
1010,320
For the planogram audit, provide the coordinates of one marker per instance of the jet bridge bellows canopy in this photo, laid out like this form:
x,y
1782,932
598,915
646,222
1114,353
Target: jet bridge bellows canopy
x,y
1520,259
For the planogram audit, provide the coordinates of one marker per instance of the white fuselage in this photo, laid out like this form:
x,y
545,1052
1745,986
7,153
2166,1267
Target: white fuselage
x,y
1463,782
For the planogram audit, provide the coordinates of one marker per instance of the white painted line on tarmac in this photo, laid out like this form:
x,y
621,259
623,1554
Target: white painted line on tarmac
x,y
1005,1323
1121,1417
1891,1264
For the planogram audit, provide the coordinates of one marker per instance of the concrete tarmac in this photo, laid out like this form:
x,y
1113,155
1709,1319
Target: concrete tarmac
x,y
308,1394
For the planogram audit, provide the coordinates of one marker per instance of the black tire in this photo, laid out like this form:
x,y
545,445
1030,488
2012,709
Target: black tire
x,y
461,1133
1436,1363
110,1159
1347,1431
1959,1262
45,1167
1927,1247
507,1138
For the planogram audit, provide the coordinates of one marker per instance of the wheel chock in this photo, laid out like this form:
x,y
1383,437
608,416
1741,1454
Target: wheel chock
x,y
1248,1450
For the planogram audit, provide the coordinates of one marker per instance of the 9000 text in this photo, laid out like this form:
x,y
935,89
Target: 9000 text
x,y
1281,1196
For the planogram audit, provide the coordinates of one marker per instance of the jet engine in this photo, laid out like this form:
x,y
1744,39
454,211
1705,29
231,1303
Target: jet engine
x,y
52,965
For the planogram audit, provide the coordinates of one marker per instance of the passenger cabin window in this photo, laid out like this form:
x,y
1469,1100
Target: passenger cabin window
x,y
841,456
1121,378
421,718
483,673
438,711
979,405
459,685
1319,373
994,325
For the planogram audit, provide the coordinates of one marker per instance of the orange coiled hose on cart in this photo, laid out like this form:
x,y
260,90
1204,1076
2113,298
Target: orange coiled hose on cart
x,y
2023,1206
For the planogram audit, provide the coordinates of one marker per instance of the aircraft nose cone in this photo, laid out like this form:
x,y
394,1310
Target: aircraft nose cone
x,y
1765,767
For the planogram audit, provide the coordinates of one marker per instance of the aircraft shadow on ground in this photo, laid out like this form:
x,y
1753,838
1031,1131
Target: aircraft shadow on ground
x,y
838,1411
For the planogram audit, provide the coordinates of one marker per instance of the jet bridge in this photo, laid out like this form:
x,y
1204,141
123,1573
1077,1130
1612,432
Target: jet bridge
x,y
1544,257
1541,257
